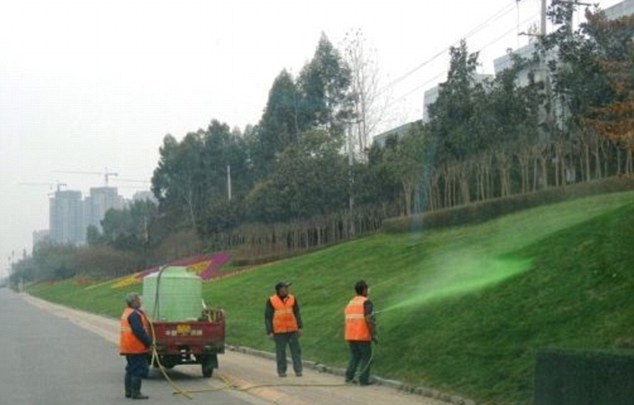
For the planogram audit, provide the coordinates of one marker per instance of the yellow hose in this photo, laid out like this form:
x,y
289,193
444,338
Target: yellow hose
x,y
155,358
229,385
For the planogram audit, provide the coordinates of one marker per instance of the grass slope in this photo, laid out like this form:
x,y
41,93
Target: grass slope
x,y
464,309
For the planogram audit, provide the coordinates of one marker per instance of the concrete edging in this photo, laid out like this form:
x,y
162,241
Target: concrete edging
x,y
398,385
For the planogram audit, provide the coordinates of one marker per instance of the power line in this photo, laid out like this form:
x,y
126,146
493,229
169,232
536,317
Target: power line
x,y
497,15
131,180
480,50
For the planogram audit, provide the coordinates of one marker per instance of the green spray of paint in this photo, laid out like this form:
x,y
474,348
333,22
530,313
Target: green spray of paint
x,y
463,262
461,274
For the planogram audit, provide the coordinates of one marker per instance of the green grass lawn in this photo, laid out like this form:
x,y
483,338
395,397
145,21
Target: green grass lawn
x,y
463,309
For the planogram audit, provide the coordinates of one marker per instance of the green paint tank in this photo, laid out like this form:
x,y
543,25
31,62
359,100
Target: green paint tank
x,y
179,295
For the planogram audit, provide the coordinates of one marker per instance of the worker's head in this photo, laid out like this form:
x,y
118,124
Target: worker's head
x,y
281,288
133,300
361,288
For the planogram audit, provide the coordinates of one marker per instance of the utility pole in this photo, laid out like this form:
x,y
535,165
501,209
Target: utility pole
x,y
350,179
543,19
229,182
350,164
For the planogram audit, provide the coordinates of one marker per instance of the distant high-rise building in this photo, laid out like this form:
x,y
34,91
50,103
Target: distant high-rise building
x,y
66,218
100,201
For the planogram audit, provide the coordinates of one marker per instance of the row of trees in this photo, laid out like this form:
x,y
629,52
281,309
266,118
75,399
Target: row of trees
x,y
306,176
492,138
485,138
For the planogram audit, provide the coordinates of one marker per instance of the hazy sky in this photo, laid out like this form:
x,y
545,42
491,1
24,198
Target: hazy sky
x,y
87,85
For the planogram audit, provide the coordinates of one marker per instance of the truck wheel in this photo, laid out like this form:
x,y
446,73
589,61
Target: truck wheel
x,y
207,371
168,362
208,363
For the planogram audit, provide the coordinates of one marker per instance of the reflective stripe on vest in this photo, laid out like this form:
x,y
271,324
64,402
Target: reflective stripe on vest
x,y
356,326
128,342
283,317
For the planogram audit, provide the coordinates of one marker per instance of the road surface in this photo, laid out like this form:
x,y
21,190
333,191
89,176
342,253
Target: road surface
x,y
57,355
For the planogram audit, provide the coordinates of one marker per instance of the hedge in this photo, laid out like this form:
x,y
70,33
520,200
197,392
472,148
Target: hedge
x,y
483,211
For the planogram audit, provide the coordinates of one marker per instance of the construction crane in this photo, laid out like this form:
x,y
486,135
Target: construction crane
x,y
107,174
57,184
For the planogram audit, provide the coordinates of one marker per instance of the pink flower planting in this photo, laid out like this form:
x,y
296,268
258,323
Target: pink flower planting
x,y
217,261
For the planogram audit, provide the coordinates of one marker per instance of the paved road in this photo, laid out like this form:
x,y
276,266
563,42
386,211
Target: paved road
x,y
56,355
47,360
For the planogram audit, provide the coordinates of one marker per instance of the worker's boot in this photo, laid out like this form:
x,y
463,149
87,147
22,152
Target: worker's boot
x,y
136,389
128,385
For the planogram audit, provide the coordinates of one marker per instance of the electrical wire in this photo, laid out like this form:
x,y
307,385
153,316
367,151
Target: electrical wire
x,y
497,15
479,50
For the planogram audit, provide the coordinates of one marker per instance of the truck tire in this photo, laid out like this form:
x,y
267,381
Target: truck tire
x,y
207,364
207,371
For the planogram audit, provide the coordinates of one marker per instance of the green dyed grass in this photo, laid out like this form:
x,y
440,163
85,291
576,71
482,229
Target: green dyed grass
x,y
464,309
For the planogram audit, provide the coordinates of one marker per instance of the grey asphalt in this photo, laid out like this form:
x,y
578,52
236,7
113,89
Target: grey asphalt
x,y
48,360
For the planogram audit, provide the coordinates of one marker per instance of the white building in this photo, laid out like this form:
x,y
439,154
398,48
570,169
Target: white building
x,y
621,9
431,95
398,131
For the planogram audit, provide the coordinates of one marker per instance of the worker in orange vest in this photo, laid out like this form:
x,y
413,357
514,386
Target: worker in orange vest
x,y
284,325
360,332
135,343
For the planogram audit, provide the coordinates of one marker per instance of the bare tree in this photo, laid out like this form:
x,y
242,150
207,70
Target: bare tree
x,y
369,107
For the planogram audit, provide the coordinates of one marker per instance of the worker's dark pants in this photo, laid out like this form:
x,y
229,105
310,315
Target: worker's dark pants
x,y
360,356
291,339
137,365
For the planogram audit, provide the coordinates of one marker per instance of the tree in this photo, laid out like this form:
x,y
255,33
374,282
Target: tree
x,y
452,113
129,228
454,124
368,107
325,86
281,125
309,179
193,175
405,162
176,181
614,119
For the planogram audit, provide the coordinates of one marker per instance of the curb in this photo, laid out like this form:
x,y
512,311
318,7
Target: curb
x,y
397,385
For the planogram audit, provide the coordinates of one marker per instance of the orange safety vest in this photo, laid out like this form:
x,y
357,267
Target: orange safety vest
x,y
283,317
356,326
128,342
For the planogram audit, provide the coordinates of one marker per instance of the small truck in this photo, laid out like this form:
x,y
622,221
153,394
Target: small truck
x,y
184,328
191,342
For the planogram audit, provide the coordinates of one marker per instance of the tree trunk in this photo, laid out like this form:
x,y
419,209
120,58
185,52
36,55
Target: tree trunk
x,y
504,169
523,157
463,181
597,159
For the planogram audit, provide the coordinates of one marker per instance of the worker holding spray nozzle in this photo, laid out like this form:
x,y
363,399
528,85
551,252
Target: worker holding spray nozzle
x,y
134,343
360,332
